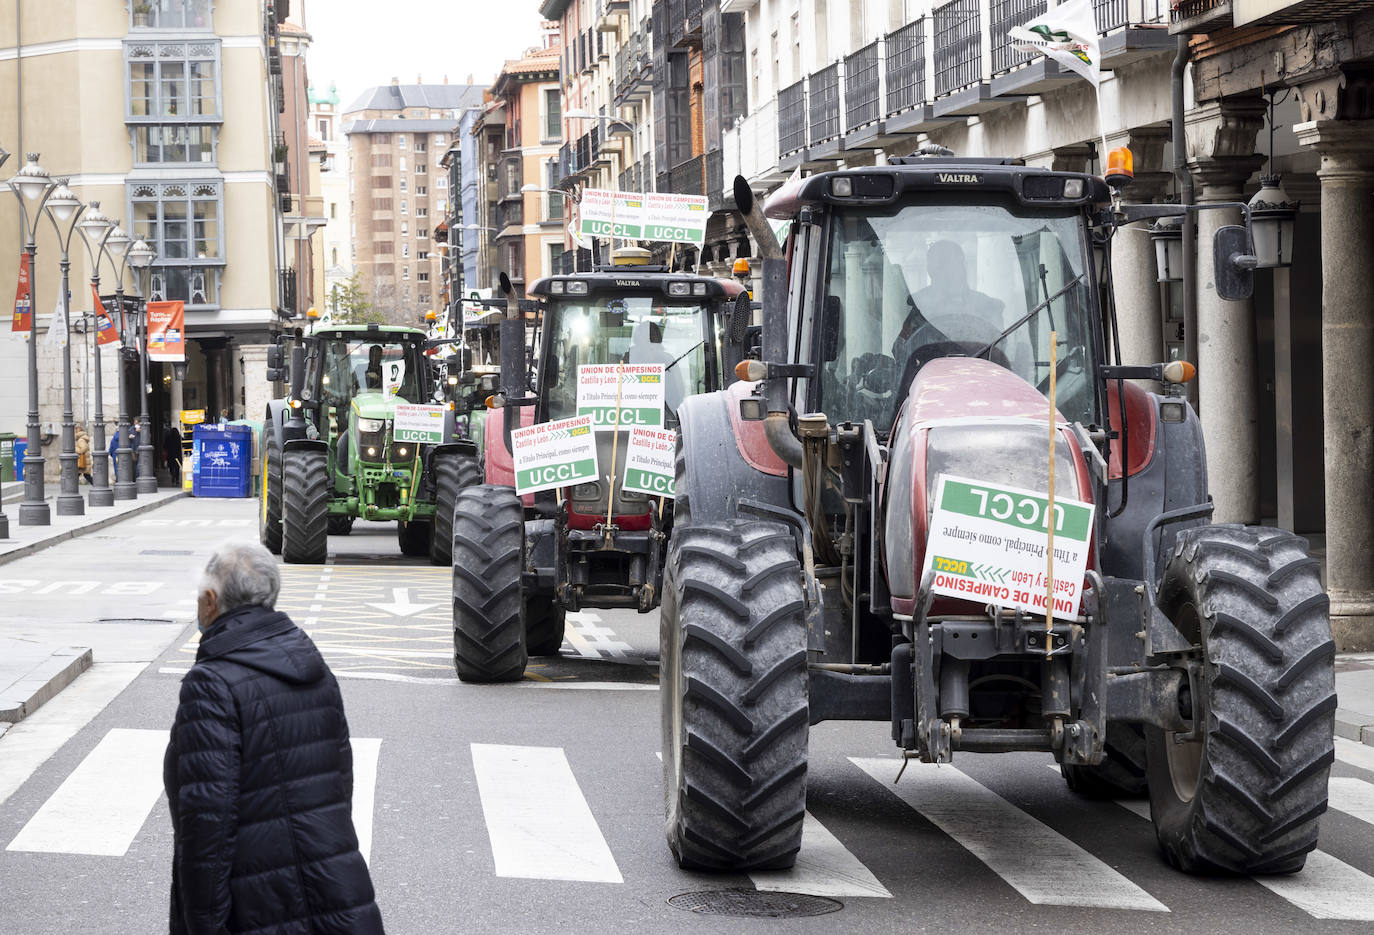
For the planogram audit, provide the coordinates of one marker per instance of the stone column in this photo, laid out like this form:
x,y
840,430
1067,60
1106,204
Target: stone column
x,y
1139,318
1347,244
257,391
1221,154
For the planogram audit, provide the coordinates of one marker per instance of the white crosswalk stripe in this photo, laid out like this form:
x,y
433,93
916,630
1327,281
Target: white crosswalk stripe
x,y
366,752
825,867
1355,797
538,821
102,804
1355,754
1039,863
593,641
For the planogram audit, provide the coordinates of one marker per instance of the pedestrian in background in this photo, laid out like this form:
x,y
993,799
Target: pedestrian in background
x,y
259,771
171,451
114,451
83,453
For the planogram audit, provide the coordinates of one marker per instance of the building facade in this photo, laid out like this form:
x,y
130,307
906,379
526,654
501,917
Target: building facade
x,y
397,135
337,235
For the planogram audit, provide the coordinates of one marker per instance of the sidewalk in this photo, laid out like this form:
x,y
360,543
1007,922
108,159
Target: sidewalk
x,y
31,672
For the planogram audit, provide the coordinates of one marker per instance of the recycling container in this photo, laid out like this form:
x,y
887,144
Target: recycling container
x,y
221,459
7,456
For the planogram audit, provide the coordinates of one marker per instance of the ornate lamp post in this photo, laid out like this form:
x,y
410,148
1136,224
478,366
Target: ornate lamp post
x,y
64,209
32,186
96,230
4,520
141,256
117,248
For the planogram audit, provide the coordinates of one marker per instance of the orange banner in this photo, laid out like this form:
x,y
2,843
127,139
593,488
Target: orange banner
x,y
105,330
23,295
167,330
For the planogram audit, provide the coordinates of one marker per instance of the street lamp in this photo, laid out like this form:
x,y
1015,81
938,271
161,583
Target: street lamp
x,y
31,186
141,257
1272,214
4,520
64,209
96,230
117,248
1167,234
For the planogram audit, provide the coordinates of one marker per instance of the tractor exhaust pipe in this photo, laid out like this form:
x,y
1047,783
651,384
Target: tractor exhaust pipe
x,y
512,359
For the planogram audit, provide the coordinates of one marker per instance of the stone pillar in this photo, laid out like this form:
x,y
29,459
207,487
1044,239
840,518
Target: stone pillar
x,y
257,391
1347,244
1139,316
1221,154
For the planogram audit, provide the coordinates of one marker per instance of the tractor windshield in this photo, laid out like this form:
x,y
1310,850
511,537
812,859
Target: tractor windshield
x,y
356,364
911,283
624,329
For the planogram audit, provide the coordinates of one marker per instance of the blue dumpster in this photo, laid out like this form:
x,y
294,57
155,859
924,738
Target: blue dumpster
x,y
221,461
21,445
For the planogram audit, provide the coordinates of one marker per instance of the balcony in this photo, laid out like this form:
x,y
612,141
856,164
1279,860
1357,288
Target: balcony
x,y
750,148
689,178
792,119
959,86
1189,16
823,113
862,87
634,69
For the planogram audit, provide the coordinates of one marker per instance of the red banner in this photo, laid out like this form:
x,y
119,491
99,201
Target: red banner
x,y
23,295
105,330
167,330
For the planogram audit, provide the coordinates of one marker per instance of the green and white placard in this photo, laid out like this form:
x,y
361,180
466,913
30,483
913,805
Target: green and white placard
x,y
423,425
649,461
604,213
680,218
988,542
554,454
640,395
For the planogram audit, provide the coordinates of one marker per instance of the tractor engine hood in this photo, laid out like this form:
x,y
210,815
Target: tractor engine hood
x,y
971,418
376,405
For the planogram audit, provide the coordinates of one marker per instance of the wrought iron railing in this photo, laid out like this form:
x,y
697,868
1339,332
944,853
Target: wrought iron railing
x,y
862,70
1193,9
677,20
906,67
1006,14
715,180
823,102
1111,14
689,177
958,46
792,118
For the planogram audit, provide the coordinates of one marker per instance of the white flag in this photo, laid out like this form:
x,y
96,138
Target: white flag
x,y
57,327
1068,35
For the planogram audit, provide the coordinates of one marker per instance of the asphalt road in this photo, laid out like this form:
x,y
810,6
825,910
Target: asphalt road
x,y
537,807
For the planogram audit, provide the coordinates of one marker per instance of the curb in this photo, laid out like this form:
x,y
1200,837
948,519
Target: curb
x,y
1354,726
78,660
74,532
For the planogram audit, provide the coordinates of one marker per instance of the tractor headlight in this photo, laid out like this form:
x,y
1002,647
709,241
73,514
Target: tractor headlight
x,y
372,452
371,425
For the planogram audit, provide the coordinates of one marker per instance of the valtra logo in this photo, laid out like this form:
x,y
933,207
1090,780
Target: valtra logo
x,y
958,178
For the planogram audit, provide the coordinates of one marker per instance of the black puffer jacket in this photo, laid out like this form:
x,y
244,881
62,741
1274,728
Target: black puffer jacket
x,y
259,778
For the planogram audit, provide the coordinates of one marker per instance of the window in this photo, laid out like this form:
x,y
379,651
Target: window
x,y
403,186
553,199
423,277
403,207
405,270
334,256
421,168
182,222
175,14
381,160
422,233
405,250
381,204
381,181
402,165
555,259
420,211
405,228
383,246
422,254
421,190
796,49
401,144
159,143
382,139
173,80
441,183
420,144
441,139
333,210
553,114
323,125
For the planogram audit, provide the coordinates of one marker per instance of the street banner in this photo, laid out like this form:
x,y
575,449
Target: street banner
x,y
167,331
554,454
23,298
1067,34
604,213
105,330
423,425
57,327
680,218
649,460
637,389
987,544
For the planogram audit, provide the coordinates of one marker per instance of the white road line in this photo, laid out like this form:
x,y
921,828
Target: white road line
x,y
366,751
1355,754
579,642
450,681
1039,863
102,804
537,818
825,867
28,744
1355,797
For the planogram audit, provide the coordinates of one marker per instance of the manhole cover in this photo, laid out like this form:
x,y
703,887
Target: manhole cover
x,y
166,552
756,904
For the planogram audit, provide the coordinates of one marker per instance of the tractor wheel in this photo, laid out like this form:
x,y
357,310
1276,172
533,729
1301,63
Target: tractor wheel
x,y
1121,774
414,537
1245,796
305,507
734,696
340,525
269,509
488,608
544,623
452,472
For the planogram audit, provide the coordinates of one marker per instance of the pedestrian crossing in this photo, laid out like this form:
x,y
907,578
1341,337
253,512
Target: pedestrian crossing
x,y
541,825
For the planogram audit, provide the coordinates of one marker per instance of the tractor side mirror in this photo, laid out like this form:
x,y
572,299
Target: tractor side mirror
x,y
831,316
1234,261
274,357
275,375
741,314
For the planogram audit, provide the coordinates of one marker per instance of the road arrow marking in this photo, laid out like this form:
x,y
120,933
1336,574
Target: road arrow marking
x,y
400,605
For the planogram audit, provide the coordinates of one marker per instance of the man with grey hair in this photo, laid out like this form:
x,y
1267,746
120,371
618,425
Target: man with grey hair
x,y
259,771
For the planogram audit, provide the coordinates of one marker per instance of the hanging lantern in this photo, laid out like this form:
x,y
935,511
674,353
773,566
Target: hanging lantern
x,y
1272,216
1167,235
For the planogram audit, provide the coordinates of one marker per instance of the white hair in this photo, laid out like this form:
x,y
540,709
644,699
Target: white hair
x,y
242,574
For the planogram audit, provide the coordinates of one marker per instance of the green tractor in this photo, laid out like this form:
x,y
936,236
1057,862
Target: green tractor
x,y
359,437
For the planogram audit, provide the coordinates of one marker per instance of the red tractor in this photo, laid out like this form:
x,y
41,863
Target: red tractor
x,y
907,340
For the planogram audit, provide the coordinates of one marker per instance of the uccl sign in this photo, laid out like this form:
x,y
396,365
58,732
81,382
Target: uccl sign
x,y
620,395
554,454
649,462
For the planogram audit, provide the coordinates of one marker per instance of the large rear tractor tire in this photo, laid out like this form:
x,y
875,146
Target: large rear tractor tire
x,y
1121,774
269,509
1246,795
545,621
414,537
305,507
734,696
452,472
488,607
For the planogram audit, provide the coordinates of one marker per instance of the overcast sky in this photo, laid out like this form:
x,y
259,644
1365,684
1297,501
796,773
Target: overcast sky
x,y
361,43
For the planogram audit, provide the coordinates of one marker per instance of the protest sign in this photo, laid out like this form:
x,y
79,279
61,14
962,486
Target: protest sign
x,y
604,213
637,389
423,425
554,454
23,299
679,218
649,459
988,542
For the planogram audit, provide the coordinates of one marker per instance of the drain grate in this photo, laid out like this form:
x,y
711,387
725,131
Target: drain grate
x,y
755,904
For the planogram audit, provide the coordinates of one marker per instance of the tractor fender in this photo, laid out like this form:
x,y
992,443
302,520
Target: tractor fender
x,y
305,444
274,422
723,465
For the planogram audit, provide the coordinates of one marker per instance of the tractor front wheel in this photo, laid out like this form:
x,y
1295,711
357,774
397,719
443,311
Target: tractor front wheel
x,y
488,607
1244,792
452,472
414,537
545,621
305,506
734,697
269,510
